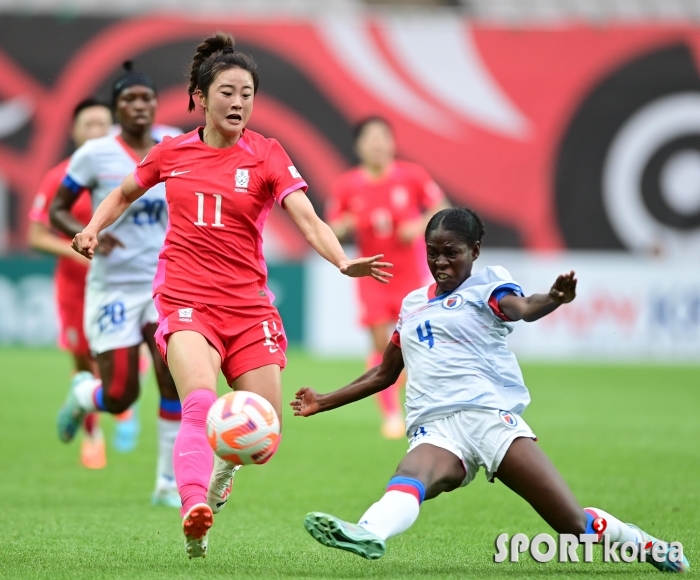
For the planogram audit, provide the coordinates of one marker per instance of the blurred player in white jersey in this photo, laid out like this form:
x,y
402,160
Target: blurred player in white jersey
x,y
119,310
464,398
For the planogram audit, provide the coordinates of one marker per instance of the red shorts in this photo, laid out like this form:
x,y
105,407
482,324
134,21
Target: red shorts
x,y
381,303
71,335
246,338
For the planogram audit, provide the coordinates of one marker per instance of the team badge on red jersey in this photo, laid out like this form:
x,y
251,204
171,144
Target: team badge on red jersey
x,y
242,178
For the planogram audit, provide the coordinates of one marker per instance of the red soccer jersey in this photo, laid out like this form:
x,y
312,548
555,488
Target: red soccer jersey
x,y
70,274
218,201
379,208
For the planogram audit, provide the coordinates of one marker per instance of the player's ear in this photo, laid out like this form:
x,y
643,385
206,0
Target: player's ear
x,y
201,99
476,250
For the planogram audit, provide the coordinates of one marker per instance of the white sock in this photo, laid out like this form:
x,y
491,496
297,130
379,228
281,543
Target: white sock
x,y
616,530
391,515
167,431
85,393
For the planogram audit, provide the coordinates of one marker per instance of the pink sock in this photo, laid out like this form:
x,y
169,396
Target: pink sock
x,y
193,458
388,399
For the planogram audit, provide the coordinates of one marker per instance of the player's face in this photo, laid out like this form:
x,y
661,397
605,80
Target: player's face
x,y
450,259
136,108
91,123
375,145
229,102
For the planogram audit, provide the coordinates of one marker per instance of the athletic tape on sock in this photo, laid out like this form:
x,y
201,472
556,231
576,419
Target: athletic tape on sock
x,y
407,485
170,409
98,397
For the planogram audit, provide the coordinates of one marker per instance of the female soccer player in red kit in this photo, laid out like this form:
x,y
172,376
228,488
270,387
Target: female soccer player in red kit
x,y
385,203
91,119
215,308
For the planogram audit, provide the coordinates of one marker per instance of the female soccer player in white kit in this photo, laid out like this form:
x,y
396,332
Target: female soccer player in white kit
x,y
119,311
464,398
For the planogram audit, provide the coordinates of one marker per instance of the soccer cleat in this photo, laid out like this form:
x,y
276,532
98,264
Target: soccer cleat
x,y
665,565
126,431
71,415
335,533
166,495
220,483
195,526
92,450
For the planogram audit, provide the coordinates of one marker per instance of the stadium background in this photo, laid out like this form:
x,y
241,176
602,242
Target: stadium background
x,y
573,127
571,139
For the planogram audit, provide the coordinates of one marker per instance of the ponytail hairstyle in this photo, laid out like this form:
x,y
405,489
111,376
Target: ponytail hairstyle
x,y
464,222
215,55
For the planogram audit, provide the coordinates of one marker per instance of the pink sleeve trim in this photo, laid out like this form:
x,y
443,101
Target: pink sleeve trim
x,y
396,339
291,189
138,180
38,215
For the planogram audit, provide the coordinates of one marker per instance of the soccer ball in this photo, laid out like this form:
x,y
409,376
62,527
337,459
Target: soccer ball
x,y
243,428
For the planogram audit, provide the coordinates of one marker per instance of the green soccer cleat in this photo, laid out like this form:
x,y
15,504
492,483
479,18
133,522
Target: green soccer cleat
x,y
335,533
665,565
71,415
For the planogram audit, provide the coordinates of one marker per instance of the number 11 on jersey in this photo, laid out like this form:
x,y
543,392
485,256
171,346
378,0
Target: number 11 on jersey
x,y
200,210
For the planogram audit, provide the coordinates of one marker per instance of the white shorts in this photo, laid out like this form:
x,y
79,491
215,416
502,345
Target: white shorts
x,y
479,437
115,317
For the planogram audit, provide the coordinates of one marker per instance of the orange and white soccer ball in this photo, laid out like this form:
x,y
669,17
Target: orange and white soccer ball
x,y
243,428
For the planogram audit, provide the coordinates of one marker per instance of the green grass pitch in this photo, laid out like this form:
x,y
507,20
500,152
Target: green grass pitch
x,y
626,438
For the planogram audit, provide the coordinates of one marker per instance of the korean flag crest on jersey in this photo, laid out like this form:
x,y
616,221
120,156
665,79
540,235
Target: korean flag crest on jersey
x,y
242,178
452,302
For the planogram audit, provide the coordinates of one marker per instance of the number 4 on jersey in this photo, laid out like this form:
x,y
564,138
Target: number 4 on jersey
x,y
200,211
428,334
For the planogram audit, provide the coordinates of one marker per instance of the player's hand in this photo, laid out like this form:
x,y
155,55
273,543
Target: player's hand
x,y
367,267
410,230
305,403
563,290
107,243
85,243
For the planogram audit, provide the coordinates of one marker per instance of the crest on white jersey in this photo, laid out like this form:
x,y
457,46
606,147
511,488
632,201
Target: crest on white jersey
x,y
452,302
294,172
508,418
185,314
242,177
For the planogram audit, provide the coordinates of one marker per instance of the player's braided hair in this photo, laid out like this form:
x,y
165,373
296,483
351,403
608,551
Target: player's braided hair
x,y
464,222
214,55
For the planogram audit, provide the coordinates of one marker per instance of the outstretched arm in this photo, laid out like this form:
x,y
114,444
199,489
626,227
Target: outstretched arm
x,y
308,402
113,206
530,308
40,237
323,240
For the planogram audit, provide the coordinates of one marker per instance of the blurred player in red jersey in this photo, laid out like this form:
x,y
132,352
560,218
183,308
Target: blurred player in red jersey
x,y
216,311
91,119
385,203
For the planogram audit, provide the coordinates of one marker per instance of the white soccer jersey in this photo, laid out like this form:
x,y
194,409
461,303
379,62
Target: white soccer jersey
x,y
455,352
100,165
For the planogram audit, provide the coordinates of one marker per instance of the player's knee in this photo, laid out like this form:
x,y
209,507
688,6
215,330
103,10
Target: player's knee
x,y
118,404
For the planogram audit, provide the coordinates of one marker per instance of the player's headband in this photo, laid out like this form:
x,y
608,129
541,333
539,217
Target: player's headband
x,y
130,78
